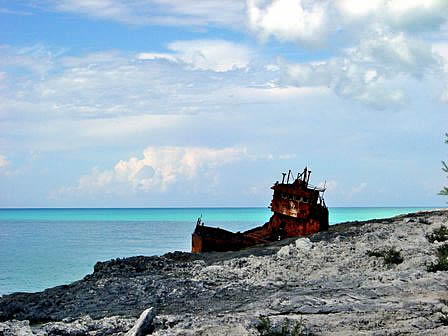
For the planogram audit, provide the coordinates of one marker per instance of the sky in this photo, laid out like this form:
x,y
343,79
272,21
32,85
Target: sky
x,y
162,103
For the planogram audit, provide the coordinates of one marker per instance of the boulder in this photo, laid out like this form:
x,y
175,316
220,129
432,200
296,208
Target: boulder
x,y
144,324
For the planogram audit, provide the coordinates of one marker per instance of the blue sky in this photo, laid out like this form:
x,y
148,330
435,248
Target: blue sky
x,y
157,103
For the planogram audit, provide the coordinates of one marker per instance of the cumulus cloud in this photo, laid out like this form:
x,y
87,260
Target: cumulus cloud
x,y
374,46
216,55
371,72
306,21
158,169
404,13
288,20
141,12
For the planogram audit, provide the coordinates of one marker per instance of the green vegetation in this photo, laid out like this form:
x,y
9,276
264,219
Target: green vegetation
x,y
444,191
442,259
265,328
390,256
440,235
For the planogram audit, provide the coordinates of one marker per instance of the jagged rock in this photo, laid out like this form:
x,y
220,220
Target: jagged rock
x,y
144,324
15,328
304,244
87,326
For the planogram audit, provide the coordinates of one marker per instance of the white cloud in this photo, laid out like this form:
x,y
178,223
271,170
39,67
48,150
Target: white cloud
x,y
3,161
417,14
107,85
300,20
216,55
442,50
372,73
197,76
374,46
165,12
158,56
288,20
14,12
36,59
159,168
359,8
307,21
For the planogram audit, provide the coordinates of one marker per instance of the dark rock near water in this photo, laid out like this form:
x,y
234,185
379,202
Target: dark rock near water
x,y
331,282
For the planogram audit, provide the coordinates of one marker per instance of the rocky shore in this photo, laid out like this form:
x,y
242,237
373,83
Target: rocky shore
x,y
359,278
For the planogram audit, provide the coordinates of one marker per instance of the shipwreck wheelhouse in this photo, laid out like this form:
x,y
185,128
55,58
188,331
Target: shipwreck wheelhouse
x,y
298,209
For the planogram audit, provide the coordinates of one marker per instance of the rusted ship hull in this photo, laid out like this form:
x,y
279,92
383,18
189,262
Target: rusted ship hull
x,y
298,210
208,239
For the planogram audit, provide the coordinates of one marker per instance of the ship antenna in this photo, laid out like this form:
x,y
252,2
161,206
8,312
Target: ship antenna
x,y
305,176
283,180
289,173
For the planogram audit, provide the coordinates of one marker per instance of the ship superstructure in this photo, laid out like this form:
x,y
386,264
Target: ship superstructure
x,y
298,209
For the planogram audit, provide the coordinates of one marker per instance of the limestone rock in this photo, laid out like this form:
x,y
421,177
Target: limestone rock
x,y
329,282
15,328
144,324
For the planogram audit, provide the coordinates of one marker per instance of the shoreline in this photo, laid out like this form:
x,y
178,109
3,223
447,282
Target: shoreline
x,y
326,278
36,252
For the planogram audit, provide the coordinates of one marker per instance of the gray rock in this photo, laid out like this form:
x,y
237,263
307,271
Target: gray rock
x,y
15,328
327,281
144,324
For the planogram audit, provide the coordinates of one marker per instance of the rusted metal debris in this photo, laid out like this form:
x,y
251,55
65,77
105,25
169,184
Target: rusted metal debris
x,y
298,209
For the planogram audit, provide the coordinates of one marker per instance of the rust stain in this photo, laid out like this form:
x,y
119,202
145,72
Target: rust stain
x,y
298,209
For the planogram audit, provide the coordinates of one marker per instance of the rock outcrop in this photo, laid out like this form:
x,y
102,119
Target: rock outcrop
x,y
144,324
332,283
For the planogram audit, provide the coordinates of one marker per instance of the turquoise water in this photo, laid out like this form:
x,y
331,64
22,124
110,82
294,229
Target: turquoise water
x,y
41,248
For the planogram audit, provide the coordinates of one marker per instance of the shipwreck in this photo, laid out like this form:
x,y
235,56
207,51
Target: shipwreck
x,y
298,208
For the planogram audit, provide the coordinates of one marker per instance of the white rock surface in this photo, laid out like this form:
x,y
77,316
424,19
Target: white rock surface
x,y
15,328
144,324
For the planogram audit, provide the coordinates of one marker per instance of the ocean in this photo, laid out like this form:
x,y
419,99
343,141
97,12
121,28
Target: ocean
x,y
41,248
